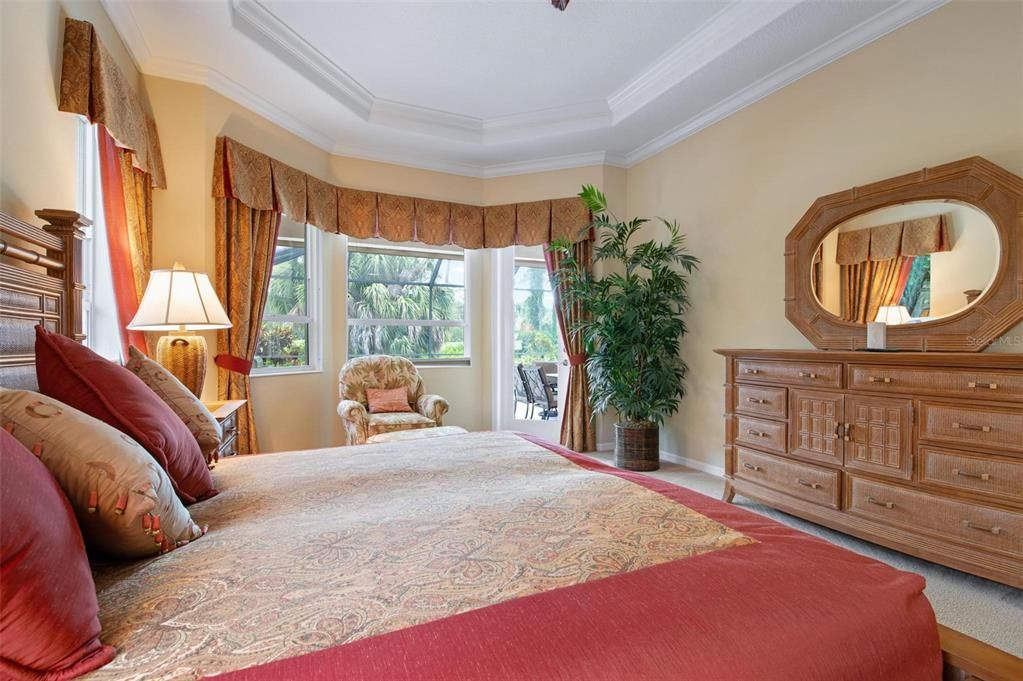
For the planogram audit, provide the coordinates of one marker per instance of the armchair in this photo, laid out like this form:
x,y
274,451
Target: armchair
x,y
383,371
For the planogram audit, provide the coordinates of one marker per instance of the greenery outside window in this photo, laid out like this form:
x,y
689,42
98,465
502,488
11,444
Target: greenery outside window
x,y
408,300
536,324
289,339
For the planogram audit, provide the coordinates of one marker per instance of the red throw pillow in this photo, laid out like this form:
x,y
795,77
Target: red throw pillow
x,y
383,401
77,376
49,624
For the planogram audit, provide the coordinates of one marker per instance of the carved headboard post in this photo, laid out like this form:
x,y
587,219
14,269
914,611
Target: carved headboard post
x,y
67,225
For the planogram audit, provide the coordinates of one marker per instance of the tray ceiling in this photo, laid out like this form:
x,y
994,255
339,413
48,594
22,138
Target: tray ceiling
x,y
495,88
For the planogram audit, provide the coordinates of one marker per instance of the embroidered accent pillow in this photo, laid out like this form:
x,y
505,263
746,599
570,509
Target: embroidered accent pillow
x,y
189,408
125,503
383,401
77,376
49,617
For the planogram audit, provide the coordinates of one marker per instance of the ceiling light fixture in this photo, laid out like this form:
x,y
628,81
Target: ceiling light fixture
x,y
560,4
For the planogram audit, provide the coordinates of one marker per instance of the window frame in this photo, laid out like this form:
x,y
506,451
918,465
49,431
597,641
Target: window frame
x,y
416,249
313,316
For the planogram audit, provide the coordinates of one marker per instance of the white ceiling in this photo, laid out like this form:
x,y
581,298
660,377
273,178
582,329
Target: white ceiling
x,y
488,88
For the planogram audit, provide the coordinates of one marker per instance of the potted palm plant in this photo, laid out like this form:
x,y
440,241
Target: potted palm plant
x,y
634,325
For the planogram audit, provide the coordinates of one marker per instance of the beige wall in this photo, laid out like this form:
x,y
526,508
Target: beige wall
x,y
739,186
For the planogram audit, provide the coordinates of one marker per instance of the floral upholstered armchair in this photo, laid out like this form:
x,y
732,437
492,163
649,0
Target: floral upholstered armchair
x,y
384,371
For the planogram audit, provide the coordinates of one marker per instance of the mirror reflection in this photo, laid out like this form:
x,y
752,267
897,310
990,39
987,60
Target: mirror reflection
x,y
907,263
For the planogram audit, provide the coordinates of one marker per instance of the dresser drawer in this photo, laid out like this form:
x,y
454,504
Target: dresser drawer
x,y
759,433
762,401
817,374
979,384
989,476
990,528
805,481
972,426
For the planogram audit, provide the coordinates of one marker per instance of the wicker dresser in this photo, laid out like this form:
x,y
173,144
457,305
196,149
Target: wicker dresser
x,y
920,452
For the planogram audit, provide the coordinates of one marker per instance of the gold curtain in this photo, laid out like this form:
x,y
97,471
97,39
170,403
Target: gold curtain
x,y
245,243
578,431
264,183
866,286
137,187
92,85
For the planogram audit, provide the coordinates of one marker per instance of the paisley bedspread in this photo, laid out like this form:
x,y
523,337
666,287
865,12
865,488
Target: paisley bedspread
x,y
356,562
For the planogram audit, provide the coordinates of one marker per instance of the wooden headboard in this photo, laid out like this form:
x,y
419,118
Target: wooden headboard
x,y
40,283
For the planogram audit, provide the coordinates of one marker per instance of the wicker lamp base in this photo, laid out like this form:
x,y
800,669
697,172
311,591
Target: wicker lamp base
x,y
637,448
185,357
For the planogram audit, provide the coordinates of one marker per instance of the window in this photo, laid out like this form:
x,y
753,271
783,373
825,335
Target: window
x,y
408,300
99,306
289,339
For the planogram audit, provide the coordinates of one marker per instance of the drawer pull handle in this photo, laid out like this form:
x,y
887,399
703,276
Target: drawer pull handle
x,y
757,433
752,467
847,433
967,426
755,400
880,379
992,530
989,386
839,430
886,504
968,474
807,483
804,374
751,371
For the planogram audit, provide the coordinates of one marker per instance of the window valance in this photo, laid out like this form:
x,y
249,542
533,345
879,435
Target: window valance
x,y
264,183
909,238
92,84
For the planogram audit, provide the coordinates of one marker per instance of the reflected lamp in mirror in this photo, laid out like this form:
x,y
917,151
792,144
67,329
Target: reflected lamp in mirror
x,y
892,315
179,301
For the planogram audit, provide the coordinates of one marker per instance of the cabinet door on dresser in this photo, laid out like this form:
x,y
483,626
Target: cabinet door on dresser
x,y
879,435
816,425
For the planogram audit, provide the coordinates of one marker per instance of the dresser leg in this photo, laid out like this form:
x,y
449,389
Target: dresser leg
x,y
729,492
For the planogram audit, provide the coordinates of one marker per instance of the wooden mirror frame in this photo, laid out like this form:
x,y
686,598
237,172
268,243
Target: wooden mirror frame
x,y
974,181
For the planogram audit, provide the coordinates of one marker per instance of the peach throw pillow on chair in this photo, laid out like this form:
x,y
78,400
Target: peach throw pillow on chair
x,y
387,401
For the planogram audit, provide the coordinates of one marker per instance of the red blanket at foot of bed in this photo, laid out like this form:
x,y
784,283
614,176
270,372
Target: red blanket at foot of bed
x,y
788,607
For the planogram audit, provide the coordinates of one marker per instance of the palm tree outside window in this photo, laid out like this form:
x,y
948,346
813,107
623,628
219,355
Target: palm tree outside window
x,y
408,300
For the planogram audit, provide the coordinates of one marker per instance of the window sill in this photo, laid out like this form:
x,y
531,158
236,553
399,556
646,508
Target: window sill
x,y
430,364
285,372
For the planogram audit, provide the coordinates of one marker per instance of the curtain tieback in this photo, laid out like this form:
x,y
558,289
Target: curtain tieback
x,y
233,363
577,360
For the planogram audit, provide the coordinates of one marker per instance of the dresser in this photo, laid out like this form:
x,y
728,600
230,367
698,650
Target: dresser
x,y
919,452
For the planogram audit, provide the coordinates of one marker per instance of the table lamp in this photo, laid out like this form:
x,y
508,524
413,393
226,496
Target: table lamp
x,y
178,301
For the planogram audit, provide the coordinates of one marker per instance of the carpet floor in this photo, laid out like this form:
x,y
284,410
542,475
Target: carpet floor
x,y
977,607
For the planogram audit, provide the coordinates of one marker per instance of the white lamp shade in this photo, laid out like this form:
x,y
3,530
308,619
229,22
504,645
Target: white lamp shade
x,y
893,314
178,300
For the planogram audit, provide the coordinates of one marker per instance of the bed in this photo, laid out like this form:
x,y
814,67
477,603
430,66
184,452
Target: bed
x,y
484,556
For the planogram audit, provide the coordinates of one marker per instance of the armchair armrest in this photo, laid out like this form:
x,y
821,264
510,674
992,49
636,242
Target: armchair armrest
x,y
432,407
355,419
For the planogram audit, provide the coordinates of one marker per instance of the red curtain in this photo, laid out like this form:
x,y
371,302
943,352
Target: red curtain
x,y
116,217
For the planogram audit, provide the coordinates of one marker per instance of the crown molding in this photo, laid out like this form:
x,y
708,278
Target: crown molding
x,y
127,27
717,36
338,83
663,75
877,26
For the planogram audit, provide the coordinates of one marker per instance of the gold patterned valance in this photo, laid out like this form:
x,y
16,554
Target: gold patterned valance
x,y
92,85
263,183
922,236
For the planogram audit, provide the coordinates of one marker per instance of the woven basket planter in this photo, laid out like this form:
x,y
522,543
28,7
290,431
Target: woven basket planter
x,y
637,448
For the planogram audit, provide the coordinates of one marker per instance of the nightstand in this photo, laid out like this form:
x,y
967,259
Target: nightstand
x,y
226,413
